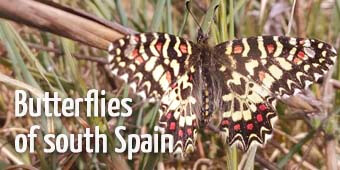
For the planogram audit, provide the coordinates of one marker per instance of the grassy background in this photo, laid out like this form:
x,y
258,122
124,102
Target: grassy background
x,y
38,61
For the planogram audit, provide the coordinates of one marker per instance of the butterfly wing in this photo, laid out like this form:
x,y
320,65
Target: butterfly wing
x,y
177,116
261,70
155,65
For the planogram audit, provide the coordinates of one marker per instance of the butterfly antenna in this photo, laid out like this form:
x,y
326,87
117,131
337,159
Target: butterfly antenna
x,y
200,30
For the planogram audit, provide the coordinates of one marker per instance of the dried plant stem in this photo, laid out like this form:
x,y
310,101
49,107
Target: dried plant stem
x,y
296,158
265,163
300,20
291,19
62,21
331,153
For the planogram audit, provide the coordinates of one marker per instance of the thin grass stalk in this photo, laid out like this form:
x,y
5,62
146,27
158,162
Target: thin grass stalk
x,y
250,161
231,19
94,9
153,157
12,52
104,9
16,57
296,148
312,20
157,16
72,66
134,10
8,151
231,36
169,25
222,13
28,53
35,73
184,22
121,13
208,18
10,37
291,19
337,67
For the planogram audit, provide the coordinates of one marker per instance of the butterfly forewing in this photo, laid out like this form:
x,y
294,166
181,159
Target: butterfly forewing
x,y
282,65
151,63
155,65
261,70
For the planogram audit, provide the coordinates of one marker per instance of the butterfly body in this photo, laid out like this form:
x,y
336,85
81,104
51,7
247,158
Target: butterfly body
x,y
236,82
207,82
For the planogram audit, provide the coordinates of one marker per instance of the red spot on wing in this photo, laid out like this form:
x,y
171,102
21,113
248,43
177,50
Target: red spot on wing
x,y
169,115
137,57
140,59
301,42
189,131
183,48
190,78
259,118
172,126
135,53
270,48
238,49
296,60
159,46
262,107
262,75
237,127
250,126
225,122
168,76
301,55
180,133
174,85
194,124
137,38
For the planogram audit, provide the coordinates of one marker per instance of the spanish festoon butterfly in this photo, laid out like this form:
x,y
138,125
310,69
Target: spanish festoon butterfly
x,y
239,80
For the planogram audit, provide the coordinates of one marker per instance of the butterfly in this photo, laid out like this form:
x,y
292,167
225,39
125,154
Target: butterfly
x,y
238,81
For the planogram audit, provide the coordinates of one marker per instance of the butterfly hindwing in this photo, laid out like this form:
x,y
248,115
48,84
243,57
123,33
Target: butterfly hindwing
x,y
248,111
177,116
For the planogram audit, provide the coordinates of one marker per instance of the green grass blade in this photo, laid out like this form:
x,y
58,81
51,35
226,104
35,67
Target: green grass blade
x,y
21,85
28,53
249,165
231,20
104,9
169,25
186,13
208,18
296,148
215,33
157,16
9,152
72,66
121,13
291,19
17,60
222,19
92,7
